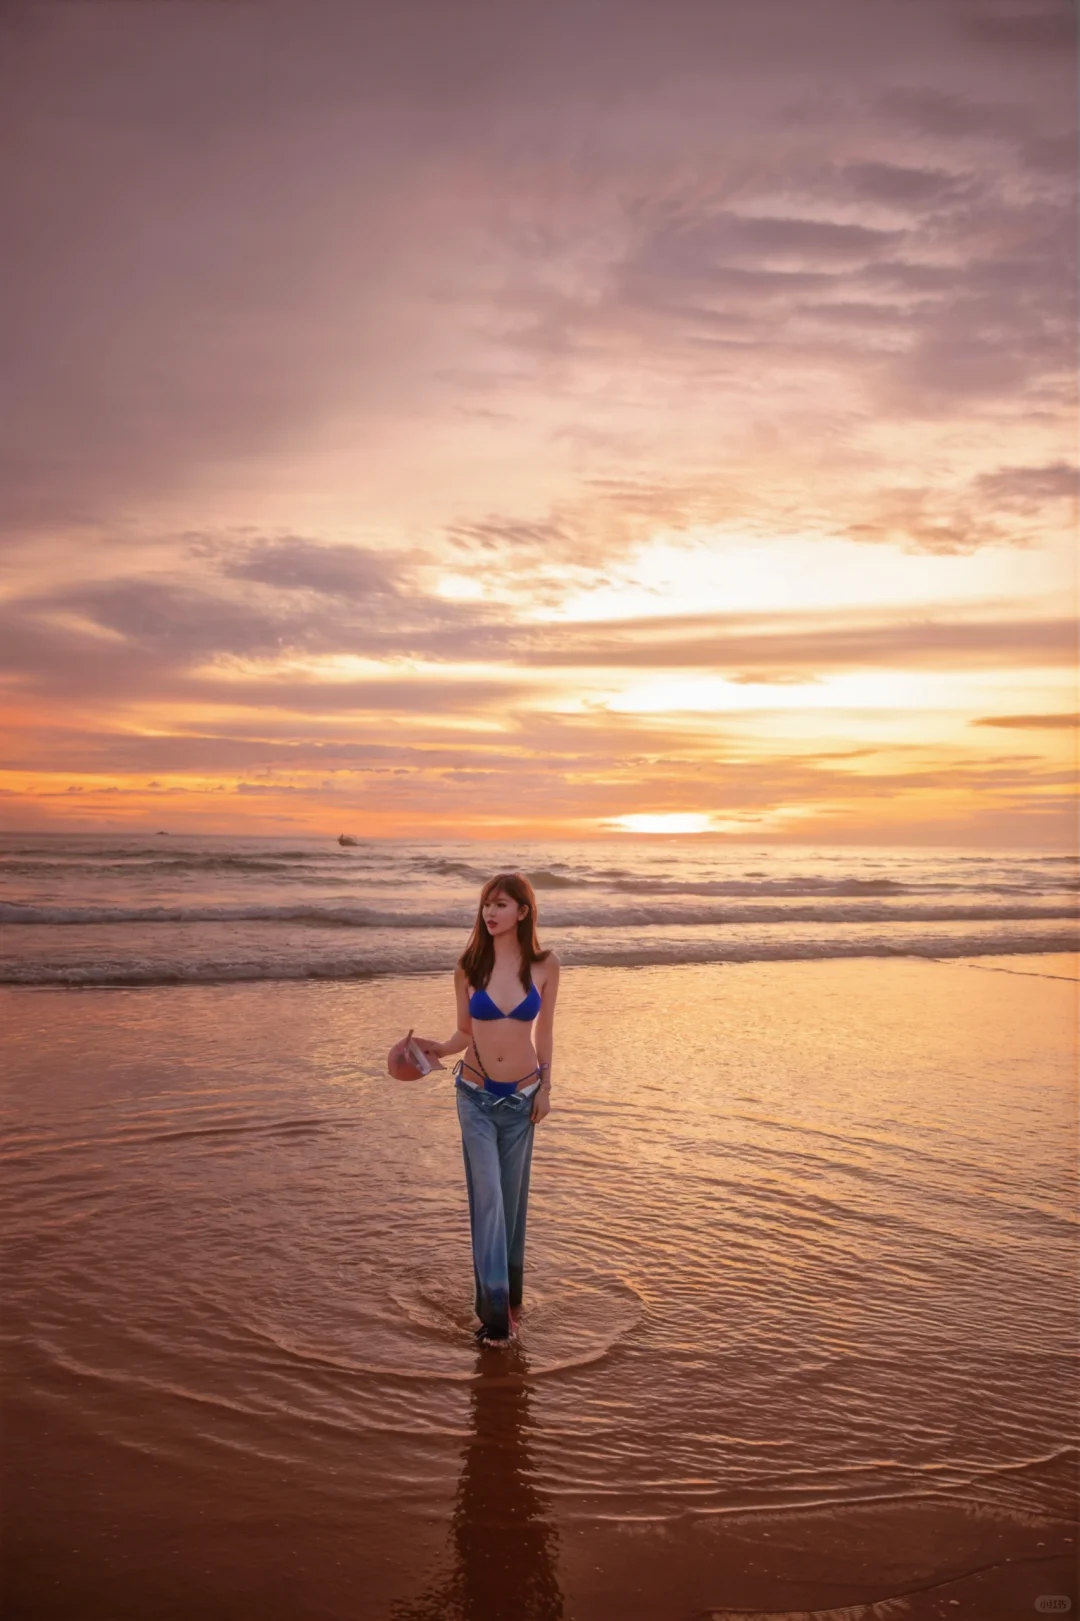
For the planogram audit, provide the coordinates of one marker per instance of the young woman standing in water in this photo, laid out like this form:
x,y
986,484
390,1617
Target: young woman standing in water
x,y
503,1086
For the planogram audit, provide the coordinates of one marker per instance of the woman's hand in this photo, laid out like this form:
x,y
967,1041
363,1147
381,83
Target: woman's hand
x,y
541,1105
431,1049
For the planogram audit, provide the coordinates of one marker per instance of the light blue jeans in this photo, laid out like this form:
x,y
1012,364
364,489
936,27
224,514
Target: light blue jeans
x,y
496,1142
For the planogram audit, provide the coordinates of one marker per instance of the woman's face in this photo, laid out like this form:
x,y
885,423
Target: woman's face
x,y
501,913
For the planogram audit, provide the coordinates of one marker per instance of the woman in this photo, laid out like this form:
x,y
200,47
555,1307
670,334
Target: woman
x,y
507,1090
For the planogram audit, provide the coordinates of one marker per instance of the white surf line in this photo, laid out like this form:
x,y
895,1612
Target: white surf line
x,y
988,968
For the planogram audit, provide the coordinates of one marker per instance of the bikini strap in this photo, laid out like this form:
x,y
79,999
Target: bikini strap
x,y
479,1060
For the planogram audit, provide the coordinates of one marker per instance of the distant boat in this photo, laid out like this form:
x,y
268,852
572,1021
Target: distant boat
x,y
161,833
343,838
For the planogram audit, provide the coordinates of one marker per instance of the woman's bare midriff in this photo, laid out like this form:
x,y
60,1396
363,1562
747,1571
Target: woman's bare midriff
x,y
508,1061
509,1054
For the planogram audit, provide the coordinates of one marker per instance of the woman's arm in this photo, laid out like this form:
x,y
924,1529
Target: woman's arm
x,y
462,1035
545,1023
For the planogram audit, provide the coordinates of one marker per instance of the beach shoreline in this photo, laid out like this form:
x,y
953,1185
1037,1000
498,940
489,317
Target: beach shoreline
x,y
799,1309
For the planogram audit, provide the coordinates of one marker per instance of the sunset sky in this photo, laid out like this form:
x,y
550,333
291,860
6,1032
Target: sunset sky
x,y
476,418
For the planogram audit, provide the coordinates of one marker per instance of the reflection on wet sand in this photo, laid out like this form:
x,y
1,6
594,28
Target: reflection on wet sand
x,y
502,1545
236,1304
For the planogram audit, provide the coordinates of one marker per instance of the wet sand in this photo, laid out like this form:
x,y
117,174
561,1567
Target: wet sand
x,y
800,1330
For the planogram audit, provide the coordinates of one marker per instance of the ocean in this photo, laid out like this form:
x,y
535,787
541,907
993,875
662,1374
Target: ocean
x,y
96,909
800,1314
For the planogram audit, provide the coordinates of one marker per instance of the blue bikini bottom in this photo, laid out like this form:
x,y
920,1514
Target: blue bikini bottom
x,y
501,1089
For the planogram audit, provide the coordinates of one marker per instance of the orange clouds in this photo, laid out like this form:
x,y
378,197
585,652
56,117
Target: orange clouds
x,y
454,428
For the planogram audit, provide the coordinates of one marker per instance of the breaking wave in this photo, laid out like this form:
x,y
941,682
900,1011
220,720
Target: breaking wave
x,y
186,909
580,915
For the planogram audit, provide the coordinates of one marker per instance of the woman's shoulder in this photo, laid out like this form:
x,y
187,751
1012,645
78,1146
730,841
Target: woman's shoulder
x,y
548,960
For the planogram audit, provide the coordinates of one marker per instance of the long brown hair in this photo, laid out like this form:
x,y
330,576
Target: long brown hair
x,y
478,958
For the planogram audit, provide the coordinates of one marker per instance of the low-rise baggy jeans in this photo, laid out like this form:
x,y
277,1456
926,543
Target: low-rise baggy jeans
x,y
496,1142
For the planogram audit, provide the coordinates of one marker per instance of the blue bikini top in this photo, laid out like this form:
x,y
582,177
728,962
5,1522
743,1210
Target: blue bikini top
x,y
482,1007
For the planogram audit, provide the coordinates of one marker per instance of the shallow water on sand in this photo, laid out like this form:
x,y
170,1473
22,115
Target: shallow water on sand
x,y
800,1301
